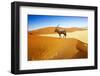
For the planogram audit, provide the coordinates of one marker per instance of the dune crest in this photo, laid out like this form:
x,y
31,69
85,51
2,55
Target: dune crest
x,y
50,30
80,35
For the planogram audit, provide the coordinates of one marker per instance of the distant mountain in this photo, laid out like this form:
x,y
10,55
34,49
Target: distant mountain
x,y
51,30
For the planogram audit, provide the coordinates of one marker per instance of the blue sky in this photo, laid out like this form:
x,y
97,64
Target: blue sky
x,y
40,21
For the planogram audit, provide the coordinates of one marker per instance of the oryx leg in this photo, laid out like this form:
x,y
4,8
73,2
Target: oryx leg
x,y
65,35
60,35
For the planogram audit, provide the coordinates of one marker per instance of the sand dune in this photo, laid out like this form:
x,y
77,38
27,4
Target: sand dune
x,y
45,44
46,48
80,35
50,30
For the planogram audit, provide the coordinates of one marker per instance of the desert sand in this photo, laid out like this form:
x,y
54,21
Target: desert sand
x,y
47,45
50,30
80,35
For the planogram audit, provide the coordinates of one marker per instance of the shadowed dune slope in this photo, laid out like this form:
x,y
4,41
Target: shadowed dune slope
x,y
47,48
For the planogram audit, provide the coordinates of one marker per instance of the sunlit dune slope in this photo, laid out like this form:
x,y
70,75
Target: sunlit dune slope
x,y
48,48
80,35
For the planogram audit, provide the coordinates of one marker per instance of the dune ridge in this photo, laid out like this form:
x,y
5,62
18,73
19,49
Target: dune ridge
x,y
80,35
